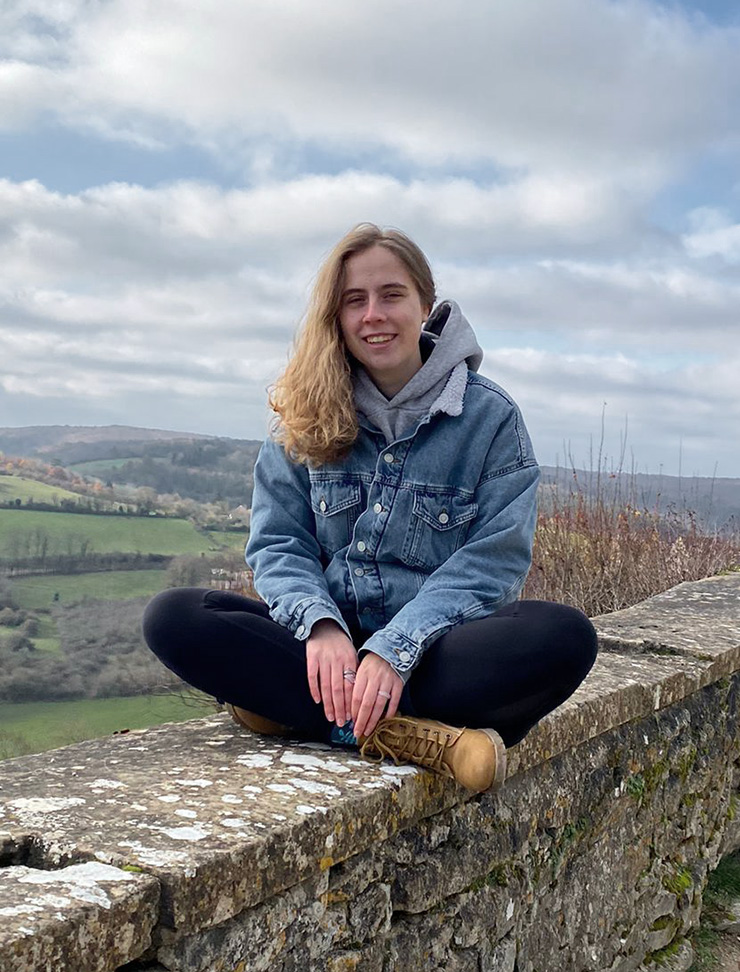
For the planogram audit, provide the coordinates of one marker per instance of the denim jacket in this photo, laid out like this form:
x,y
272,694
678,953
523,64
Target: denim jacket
x,y
401,541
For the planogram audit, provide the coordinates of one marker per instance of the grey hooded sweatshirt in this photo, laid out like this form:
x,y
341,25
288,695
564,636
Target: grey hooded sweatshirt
x,y
448,349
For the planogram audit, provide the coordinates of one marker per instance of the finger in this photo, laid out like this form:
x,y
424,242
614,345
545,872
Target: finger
x,y
394,701
326,692
370,699
358,692
337,692
312,664
347,695
348,688
376,714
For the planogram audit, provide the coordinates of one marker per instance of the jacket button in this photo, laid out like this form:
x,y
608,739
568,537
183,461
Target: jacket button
x,y
388,457
361,546
322,506
443,518
378,508
300,630
359,571
404,656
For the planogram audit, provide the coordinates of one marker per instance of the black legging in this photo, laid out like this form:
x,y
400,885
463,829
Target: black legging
x,y
505,672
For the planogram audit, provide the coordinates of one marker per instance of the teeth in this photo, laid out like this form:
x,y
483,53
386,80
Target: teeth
x,y
379,339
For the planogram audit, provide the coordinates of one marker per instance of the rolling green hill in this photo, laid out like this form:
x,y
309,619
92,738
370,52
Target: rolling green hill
x,y
18,487
38,593
104,534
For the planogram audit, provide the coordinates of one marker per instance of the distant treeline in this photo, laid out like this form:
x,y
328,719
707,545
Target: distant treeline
x,y
92,506
81,561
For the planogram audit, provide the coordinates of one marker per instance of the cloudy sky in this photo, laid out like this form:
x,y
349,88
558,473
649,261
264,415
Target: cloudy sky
x,y
172,171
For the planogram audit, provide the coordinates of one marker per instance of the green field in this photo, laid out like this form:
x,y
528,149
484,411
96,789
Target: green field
x,y
33,727
106,534
228,539
15,487
37,593
93,466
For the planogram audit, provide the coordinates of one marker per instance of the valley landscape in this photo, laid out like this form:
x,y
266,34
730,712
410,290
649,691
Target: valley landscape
x,y
95,520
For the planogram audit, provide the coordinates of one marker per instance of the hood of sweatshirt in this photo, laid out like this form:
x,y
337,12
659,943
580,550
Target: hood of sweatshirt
x,y
448,348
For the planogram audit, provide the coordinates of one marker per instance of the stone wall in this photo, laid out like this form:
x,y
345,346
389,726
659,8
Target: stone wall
x,y
199,847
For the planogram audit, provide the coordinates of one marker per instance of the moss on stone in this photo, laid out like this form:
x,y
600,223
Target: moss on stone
x,y
663,922
635,786
663,955
686,763
679,881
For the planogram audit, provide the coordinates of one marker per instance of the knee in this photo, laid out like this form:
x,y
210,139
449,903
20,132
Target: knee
x,y
167,619
578,640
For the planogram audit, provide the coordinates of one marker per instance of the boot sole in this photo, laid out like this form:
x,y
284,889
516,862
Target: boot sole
x,y
498,743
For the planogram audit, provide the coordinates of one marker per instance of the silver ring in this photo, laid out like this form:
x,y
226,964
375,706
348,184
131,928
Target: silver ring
x,y
350,674
384,695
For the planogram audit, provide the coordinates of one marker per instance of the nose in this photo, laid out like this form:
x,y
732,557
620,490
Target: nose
x,y
373,309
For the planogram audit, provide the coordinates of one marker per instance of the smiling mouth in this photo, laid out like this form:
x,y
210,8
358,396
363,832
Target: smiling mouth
x,y
379,338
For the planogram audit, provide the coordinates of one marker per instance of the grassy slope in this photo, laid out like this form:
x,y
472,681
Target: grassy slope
x,y
37,593
15,487
107,534
33,727
93,466
228,539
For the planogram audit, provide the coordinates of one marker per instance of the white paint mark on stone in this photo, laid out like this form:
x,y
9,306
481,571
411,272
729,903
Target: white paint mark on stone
x,y
48,805
305,810
199,784
157,858
249,788
254,760
184,833
230,798
320,789
400,770
233,822
509,909
139,806
79,881
278,816
214,742
281,787
374,785
189,814
169,798
305,759
108,784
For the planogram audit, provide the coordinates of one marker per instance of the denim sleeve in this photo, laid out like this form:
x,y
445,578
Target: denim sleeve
x,y
485,574
282,549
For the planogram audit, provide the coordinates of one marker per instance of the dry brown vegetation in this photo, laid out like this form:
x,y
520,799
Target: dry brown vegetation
x,y
599,551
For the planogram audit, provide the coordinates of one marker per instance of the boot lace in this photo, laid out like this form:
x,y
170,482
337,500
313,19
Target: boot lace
x,y
408,742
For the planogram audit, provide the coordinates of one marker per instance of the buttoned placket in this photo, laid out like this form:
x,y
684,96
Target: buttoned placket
x,y
363,569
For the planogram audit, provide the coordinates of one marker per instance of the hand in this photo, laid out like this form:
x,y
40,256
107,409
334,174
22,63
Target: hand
x,y
329,652
374,675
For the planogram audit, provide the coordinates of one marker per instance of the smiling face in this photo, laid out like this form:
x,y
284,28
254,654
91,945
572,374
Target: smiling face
x,y
380,315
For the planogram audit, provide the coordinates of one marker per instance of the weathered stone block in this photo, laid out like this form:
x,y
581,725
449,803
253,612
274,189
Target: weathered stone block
x,y
84,918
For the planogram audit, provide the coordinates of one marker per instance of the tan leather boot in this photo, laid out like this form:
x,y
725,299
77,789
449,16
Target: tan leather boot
x,y
257,723
475,758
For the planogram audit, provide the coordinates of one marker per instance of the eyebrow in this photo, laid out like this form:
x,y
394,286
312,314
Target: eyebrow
x,y
385,286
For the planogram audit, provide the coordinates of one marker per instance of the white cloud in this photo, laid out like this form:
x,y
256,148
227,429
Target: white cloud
x,y
572,85
524,145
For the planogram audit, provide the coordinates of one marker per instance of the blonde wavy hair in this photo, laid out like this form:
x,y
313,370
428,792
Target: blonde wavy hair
x,y
315,417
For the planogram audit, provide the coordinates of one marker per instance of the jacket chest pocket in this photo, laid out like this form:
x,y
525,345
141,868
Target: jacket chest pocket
x,y
437,528
336,507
